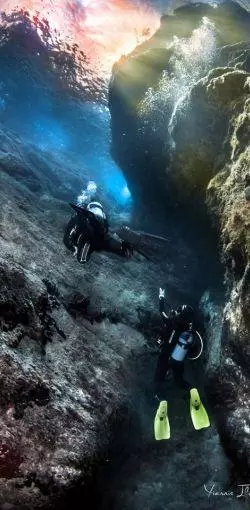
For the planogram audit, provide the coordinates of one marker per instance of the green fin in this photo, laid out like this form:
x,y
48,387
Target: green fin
x,y
161,422
197,410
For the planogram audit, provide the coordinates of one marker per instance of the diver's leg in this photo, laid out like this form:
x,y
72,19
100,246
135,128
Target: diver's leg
x,y
161,369
113,244
178,372
84,249
163,362
70,234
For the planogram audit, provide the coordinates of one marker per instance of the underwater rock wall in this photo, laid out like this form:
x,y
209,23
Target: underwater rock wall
x,y
215,164
183,114
228,202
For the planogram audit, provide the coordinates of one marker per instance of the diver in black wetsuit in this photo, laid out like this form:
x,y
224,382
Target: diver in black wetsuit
x,y
88,231
178,342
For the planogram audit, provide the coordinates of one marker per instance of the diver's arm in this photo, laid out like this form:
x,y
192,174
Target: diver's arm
x,y
162,305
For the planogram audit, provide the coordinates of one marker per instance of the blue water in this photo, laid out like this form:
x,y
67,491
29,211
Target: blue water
x,y
77,133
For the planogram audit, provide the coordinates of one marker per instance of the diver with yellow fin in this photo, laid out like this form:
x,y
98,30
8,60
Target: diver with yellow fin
x,y
182,341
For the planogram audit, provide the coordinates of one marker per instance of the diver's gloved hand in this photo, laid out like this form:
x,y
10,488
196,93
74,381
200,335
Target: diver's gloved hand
x,y
127,249
161,293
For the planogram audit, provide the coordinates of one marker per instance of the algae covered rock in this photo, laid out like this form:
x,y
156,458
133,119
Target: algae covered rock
x,y
231,211
217,103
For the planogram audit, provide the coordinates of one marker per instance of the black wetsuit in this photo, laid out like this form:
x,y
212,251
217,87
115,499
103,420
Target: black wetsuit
x,y
88,233
175,324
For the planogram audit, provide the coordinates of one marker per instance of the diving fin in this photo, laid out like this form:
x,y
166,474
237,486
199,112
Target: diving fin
x,y
151,236
197,410
145,244
161,422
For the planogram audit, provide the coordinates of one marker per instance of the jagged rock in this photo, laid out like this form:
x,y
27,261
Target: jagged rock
x,y
236,55
48,405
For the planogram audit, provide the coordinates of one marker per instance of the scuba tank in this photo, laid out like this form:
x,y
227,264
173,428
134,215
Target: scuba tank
x,y
181,349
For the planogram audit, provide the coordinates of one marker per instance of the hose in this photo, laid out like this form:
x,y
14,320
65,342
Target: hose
x,y
201,349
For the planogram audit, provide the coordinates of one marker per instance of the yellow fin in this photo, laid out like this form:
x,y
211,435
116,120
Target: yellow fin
x,y
197,410
161,422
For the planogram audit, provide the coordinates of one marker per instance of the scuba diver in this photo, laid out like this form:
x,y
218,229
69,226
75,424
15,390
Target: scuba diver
x,y
88,231
181,341
178,340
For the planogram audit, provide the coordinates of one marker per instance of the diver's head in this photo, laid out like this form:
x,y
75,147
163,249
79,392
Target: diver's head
x,y
186,312
97,209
